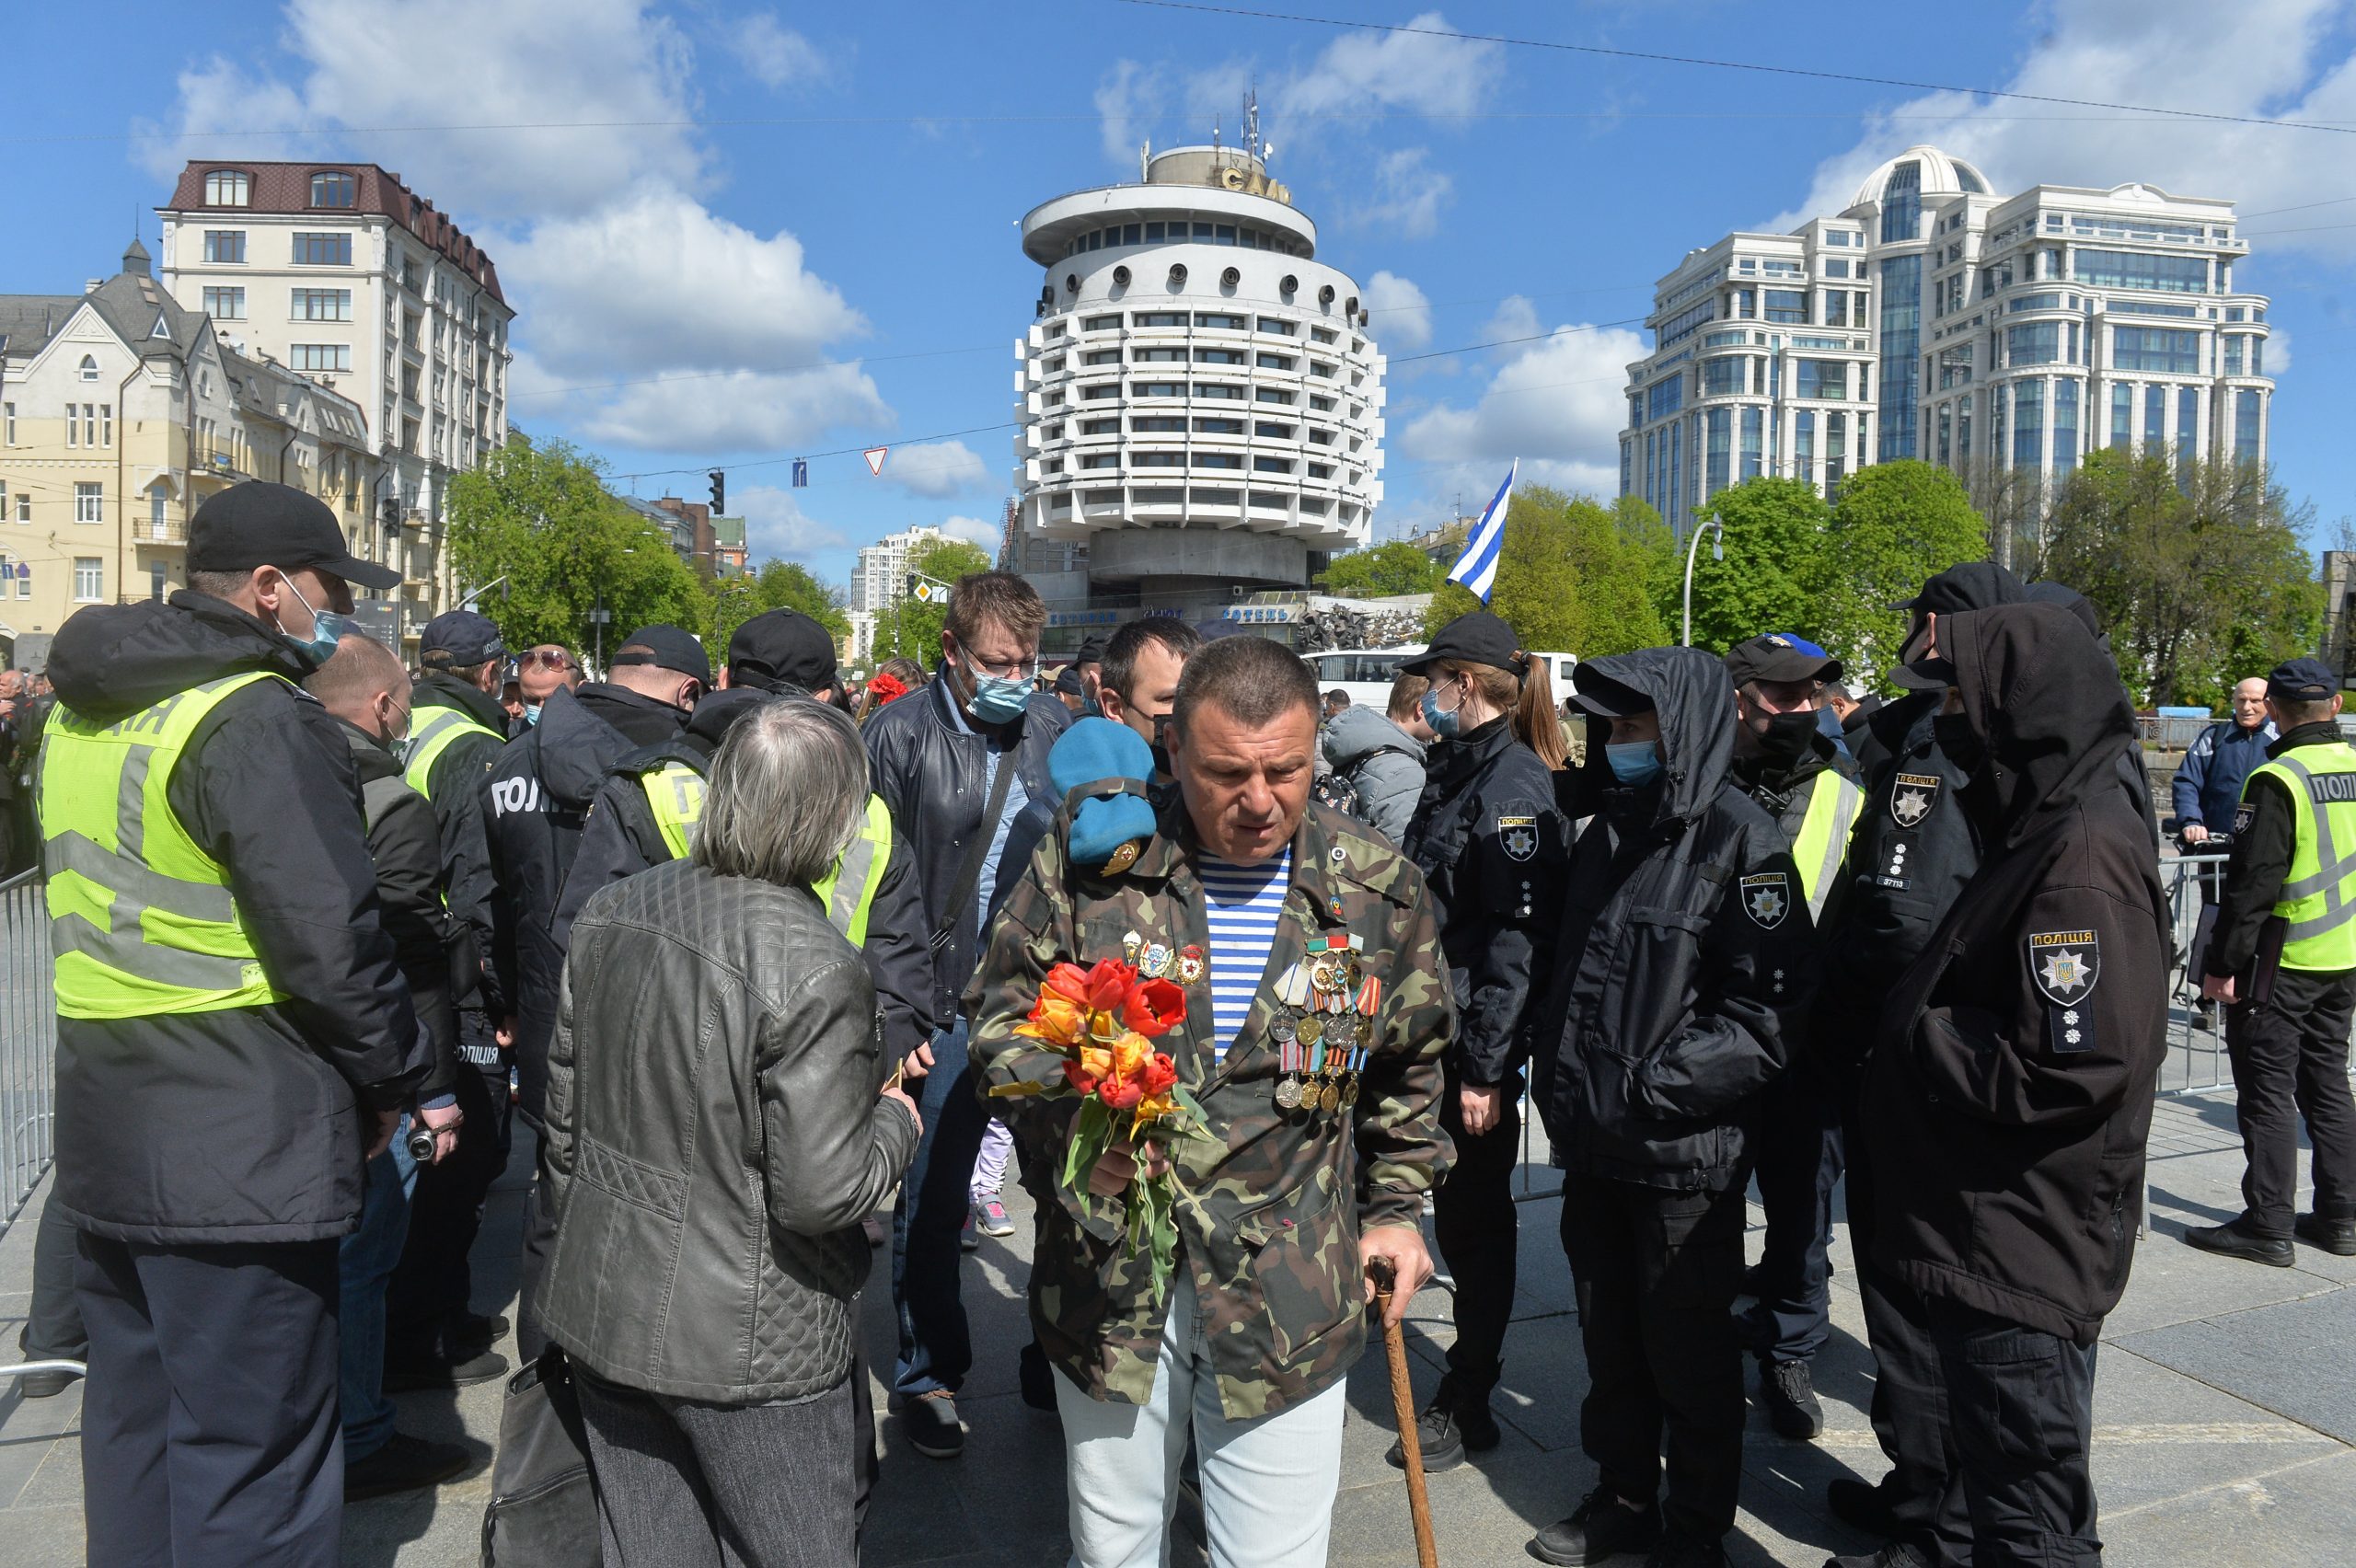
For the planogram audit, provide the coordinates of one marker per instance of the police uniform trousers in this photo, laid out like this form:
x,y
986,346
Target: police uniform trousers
x,y
1908,1409
1477,1226
1800,1158
1655,1272
209,1429
2290,1056
434,1283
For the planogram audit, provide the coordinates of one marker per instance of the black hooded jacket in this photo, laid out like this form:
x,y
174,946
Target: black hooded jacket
x,y
1684,952
535,806
243,1125
406,850
2009,1090
1491,843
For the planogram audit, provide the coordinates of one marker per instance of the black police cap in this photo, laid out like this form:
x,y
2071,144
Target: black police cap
x,y
783,647
459,640
665,648
258,524
1475,638
2302,680
1779,657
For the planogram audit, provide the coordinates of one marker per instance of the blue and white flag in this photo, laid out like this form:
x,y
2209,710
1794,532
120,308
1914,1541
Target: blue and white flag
x,y
1477,567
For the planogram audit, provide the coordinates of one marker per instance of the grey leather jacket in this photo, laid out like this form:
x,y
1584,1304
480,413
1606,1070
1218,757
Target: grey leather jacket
x,y
714,1137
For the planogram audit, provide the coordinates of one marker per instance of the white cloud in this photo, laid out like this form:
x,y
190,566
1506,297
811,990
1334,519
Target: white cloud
x,y
222,96
776,525
740,410
1556,405
1360,72
1408,192
937,469
978,531
658,280
1401,315
618,271
1128,101
774,53
2267,58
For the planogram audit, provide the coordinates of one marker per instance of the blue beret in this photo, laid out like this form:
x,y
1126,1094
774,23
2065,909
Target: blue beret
x,y
1091,751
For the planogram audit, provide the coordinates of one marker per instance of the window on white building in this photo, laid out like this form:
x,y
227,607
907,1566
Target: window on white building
x,y
225,247
227,188
333,190
24,506
322,249
225,304
89,367
8,421
90,579
319,358
89,503
322,305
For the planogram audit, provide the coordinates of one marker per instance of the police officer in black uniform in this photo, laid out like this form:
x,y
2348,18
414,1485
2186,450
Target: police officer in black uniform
x,y
1790,768
1492,845
456,733
1910,855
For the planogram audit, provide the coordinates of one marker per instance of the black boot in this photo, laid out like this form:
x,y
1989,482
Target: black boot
x,y
1600,1529
2336,1237
1862,1504
1895,1554
1793,1409
2232,1241
1453,1424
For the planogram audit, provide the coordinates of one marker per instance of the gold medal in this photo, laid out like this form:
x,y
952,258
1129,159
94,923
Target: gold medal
x,y
1310,1029
1321,975
1331,1101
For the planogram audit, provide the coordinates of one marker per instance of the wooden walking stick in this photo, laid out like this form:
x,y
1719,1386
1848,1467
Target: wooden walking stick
x,y
1403,1405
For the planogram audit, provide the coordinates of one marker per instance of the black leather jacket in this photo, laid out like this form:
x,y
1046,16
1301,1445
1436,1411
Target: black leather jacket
x,y
1685,953
1492,847
714,1137
933,773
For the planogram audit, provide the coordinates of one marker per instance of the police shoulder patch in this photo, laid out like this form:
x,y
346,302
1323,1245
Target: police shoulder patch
x,y
2064,966
1911,797
2241,815
1767,898
1519,834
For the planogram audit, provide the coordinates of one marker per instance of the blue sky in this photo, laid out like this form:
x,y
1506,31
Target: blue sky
x,y
740,232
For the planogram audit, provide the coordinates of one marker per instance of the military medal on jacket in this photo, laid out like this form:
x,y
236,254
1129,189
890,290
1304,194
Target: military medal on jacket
x,y
1324,1027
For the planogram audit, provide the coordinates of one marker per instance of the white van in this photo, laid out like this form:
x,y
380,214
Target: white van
x,y
1366,674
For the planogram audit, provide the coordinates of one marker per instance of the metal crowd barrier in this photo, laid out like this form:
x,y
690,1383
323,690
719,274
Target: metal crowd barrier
x,y
28,1044
2196,1061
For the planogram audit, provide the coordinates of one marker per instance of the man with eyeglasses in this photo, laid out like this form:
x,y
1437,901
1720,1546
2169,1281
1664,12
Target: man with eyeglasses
x,y
541,672
957,765
537,804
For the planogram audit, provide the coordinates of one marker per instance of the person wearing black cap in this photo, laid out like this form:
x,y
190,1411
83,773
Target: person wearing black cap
x,y
646,812
1683,954
1071,691
457,731
227,1061
1911,851
2009,1088
1090,662
1491,843
537,803
2283,959
1785,763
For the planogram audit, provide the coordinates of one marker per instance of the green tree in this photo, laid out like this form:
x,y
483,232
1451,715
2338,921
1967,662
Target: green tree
x,y
542,518
1618,554
1380,571
1894,525
2198,584
779,585
1774,530
906,627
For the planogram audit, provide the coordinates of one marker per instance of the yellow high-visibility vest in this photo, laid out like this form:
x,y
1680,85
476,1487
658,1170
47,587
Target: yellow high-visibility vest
x,y
2318,898
432,737
140,919
1834,806
675,793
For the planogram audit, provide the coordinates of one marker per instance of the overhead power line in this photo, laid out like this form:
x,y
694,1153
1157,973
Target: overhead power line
x,y
1758,67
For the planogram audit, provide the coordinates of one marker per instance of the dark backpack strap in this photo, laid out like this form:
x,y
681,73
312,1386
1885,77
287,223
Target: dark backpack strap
x,y
969,876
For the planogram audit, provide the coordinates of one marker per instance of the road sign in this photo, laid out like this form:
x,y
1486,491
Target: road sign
x,y
874,456
601,617
801,473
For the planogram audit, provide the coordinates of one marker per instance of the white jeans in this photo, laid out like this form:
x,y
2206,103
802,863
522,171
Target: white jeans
x,y
1268,1483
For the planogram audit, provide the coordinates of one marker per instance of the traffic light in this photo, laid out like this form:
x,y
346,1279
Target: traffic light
x,y
720,492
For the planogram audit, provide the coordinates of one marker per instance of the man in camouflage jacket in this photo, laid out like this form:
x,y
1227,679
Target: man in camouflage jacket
x,y
1279,1210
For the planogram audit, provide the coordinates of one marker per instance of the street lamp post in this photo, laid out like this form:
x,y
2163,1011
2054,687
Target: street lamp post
x,y
1718,531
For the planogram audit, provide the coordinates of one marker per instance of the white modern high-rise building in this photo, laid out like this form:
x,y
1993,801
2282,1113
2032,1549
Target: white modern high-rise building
x,y
341,274
1200,400
1999,336
881,576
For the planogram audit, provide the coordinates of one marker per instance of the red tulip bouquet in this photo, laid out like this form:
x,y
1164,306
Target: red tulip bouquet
x,y
1103,1020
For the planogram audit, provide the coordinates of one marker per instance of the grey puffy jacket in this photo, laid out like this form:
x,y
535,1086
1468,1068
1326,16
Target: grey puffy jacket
x,y
1385,763
714,1137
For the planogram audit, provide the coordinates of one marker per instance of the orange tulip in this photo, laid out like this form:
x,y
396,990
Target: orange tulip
x,y
1057,1019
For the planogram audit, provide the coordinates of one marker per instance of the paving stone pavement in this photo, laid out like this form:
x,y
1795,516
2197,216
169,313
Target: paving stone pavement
x,y
2225,1411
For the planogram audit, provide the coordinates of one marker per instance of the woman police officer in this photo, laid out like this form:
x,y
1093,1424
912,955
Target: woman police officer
x,y
1492,844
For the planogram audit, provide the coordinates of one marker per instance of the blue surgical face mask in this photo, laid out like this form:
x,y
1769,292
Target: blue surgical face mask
x,y
531,713
1444,722
1633,763
326,629
997,699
